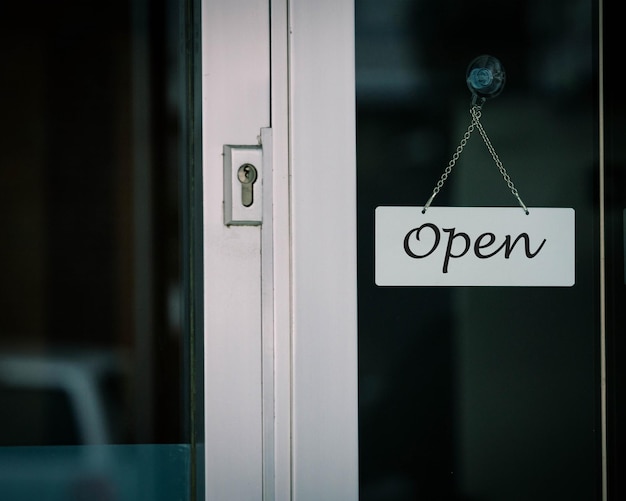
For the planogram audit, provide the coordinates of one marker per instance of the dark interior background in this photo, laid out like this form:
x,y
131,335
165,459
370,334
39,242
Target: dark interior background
x,y
481,393
91,261
614,114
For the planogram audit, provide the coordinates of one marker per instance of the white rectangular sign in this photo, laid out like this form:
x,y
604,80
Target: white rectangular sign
x,y
475,246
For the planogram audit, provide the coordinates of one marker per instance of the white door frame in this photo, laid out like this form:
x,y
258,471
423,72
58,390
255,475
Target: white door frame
x,y
280,298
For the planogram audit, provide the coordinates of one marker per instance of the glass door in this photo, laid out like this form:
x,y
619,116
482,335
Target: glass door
x,y
464,392
481,393
97,320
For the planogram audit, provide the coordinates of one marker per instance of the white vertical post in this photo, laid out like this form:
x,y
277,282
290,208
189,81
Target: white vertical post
x,y
280,299
235,106
281,251
323,171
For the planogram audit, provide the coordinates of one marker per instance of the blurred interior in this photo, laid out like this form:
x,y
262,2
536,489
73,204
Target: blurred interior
x,y
91,160
481,393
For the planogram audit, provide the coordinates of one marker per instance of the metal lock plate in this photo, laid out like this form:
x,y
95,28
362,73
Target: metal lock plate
x,y
243,181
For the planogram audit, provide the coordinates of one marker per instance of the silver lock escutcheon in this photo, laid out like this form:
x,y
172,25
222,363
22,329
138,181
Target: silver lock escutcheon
x,y
243,185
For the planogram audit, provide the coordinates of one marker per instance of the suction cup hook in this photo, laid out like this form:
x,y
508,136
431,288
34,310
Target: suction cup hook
x,y
485,78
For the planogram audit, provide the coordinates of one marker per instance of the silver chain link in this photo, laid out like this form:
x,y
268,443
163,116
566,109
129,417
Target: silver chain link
x,y
475,111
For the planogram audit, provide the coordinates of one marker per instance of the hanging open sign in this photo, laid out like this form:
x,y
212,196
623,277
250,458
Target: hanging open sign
x,y
475,246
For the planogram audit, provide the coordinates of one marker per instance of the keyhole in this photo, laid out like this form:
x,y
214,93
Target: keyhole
x,y
247,176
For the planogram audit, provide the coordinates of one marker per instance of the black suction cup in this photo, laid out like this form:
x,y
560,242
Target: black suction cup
x,y
485,77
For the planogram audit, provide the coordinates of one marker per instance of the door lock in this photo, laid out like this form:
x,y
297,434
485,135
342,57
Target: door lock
x,y
247,175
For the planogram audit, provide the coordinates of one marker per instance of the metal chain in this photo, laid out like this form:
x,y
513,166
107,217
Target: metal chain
x,y
475,111
451,164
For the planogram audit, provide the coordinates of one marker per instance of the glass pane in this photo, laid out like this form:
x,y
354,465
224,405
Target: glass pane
x,y
479,393
95,259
